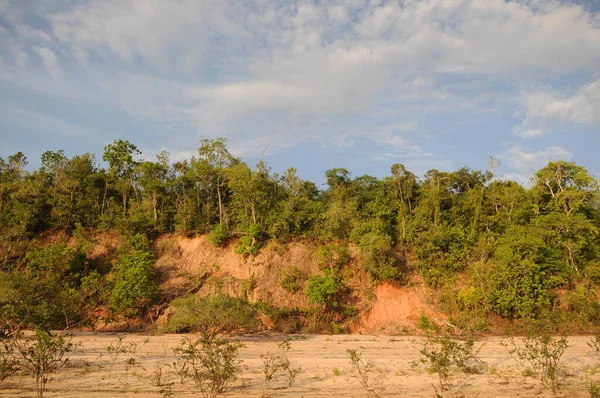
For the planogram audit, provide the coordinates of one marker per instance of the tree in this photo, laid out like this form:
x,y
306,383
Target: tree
x,y
119,156
216,159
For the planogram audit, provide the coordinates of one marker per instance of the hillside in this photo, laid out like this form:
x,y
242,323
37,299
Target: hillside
x,y
143,241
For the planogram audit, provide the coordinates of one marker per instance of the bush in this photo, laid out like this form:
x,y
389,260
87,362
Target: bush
x,y
134,287
291,278
365,370
211,316
43,355
322,289
378,257
332,256
444,355
251,242
217,236
212,364
542,354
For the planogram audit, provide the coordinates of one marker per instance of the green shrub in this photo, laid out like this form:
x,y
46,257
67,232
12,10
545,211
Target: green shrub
x,y
211,316
252,241
378,257
322,289
212,364
275,364
333,256
41,356
444,355
291,279
366,370
541,354
134,287
218,235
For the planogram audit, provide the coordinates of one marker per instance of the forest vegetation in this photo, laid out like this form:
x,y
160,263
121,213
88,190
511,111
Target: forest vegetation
x,y
490,248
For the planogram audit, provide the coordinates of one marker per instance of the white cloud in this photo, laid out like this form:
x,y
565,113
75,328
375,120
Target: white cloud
x,y
525,162
285,72
544,110
49,59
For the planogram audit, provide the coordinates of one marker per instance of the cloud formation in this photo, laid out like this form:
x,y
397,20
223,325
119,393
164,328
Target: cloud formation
x,y
285,73
545,110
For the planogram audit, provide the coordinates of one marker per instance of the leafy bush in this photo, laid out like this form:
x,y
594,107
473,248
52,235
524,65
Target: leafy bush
x,y
291,278
211,316
134,287
252,241
332,256
542,354
218,235
212,364
43,355
444,355
322,289
378,257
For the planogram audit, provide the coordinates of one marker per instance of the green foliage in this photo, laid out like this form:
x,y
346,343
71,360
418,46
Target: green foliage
x,y
45,354
543,355
532,245
291,279
134,288
526,272
251,242
378,257
211,316
218,235
211,364
333,256
444,356
322,289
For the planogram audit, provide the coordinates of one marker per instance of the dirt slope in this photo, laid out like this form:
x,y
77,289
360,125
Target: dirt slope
x,y
186,262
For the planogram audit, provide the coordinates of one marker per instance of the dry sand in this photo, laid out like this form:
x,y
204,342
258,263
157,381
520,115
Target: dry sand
x,y
324,363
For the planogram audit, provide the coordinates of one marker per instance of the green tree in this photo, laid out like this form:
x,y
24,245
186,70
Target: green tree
x,y
120,157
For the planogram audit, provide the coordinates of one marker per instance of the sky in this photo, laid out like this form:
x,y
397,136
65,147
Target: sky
x,y
431,84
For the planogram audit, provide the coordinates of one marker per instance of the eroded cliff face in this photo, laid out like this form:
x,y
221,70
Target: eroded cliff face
x,y
192,264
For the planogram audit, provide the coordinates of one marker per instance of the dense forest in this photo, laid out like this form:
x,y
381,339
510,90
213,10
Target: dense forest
x,y
489,247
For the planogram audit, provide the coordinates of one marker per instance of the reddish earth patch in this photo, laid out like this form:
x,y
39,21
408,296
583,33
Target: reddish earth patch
x,y
397,309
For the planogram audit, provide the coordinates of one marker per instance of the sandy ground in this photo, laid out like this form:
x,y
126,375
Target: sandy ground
x,y
325,369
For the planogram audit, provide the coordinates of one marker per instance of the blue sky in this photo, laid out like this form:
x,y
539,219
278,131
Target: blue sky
x,y
321,84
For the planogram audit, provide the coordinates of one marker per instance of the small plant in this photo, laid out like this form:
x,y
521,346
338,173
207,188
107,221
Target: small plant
x,y
212,364
336,372
444,356
291,279
593,390
273,364
8,365
42,355
366,370
541,354
181,365
130,349
595,343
